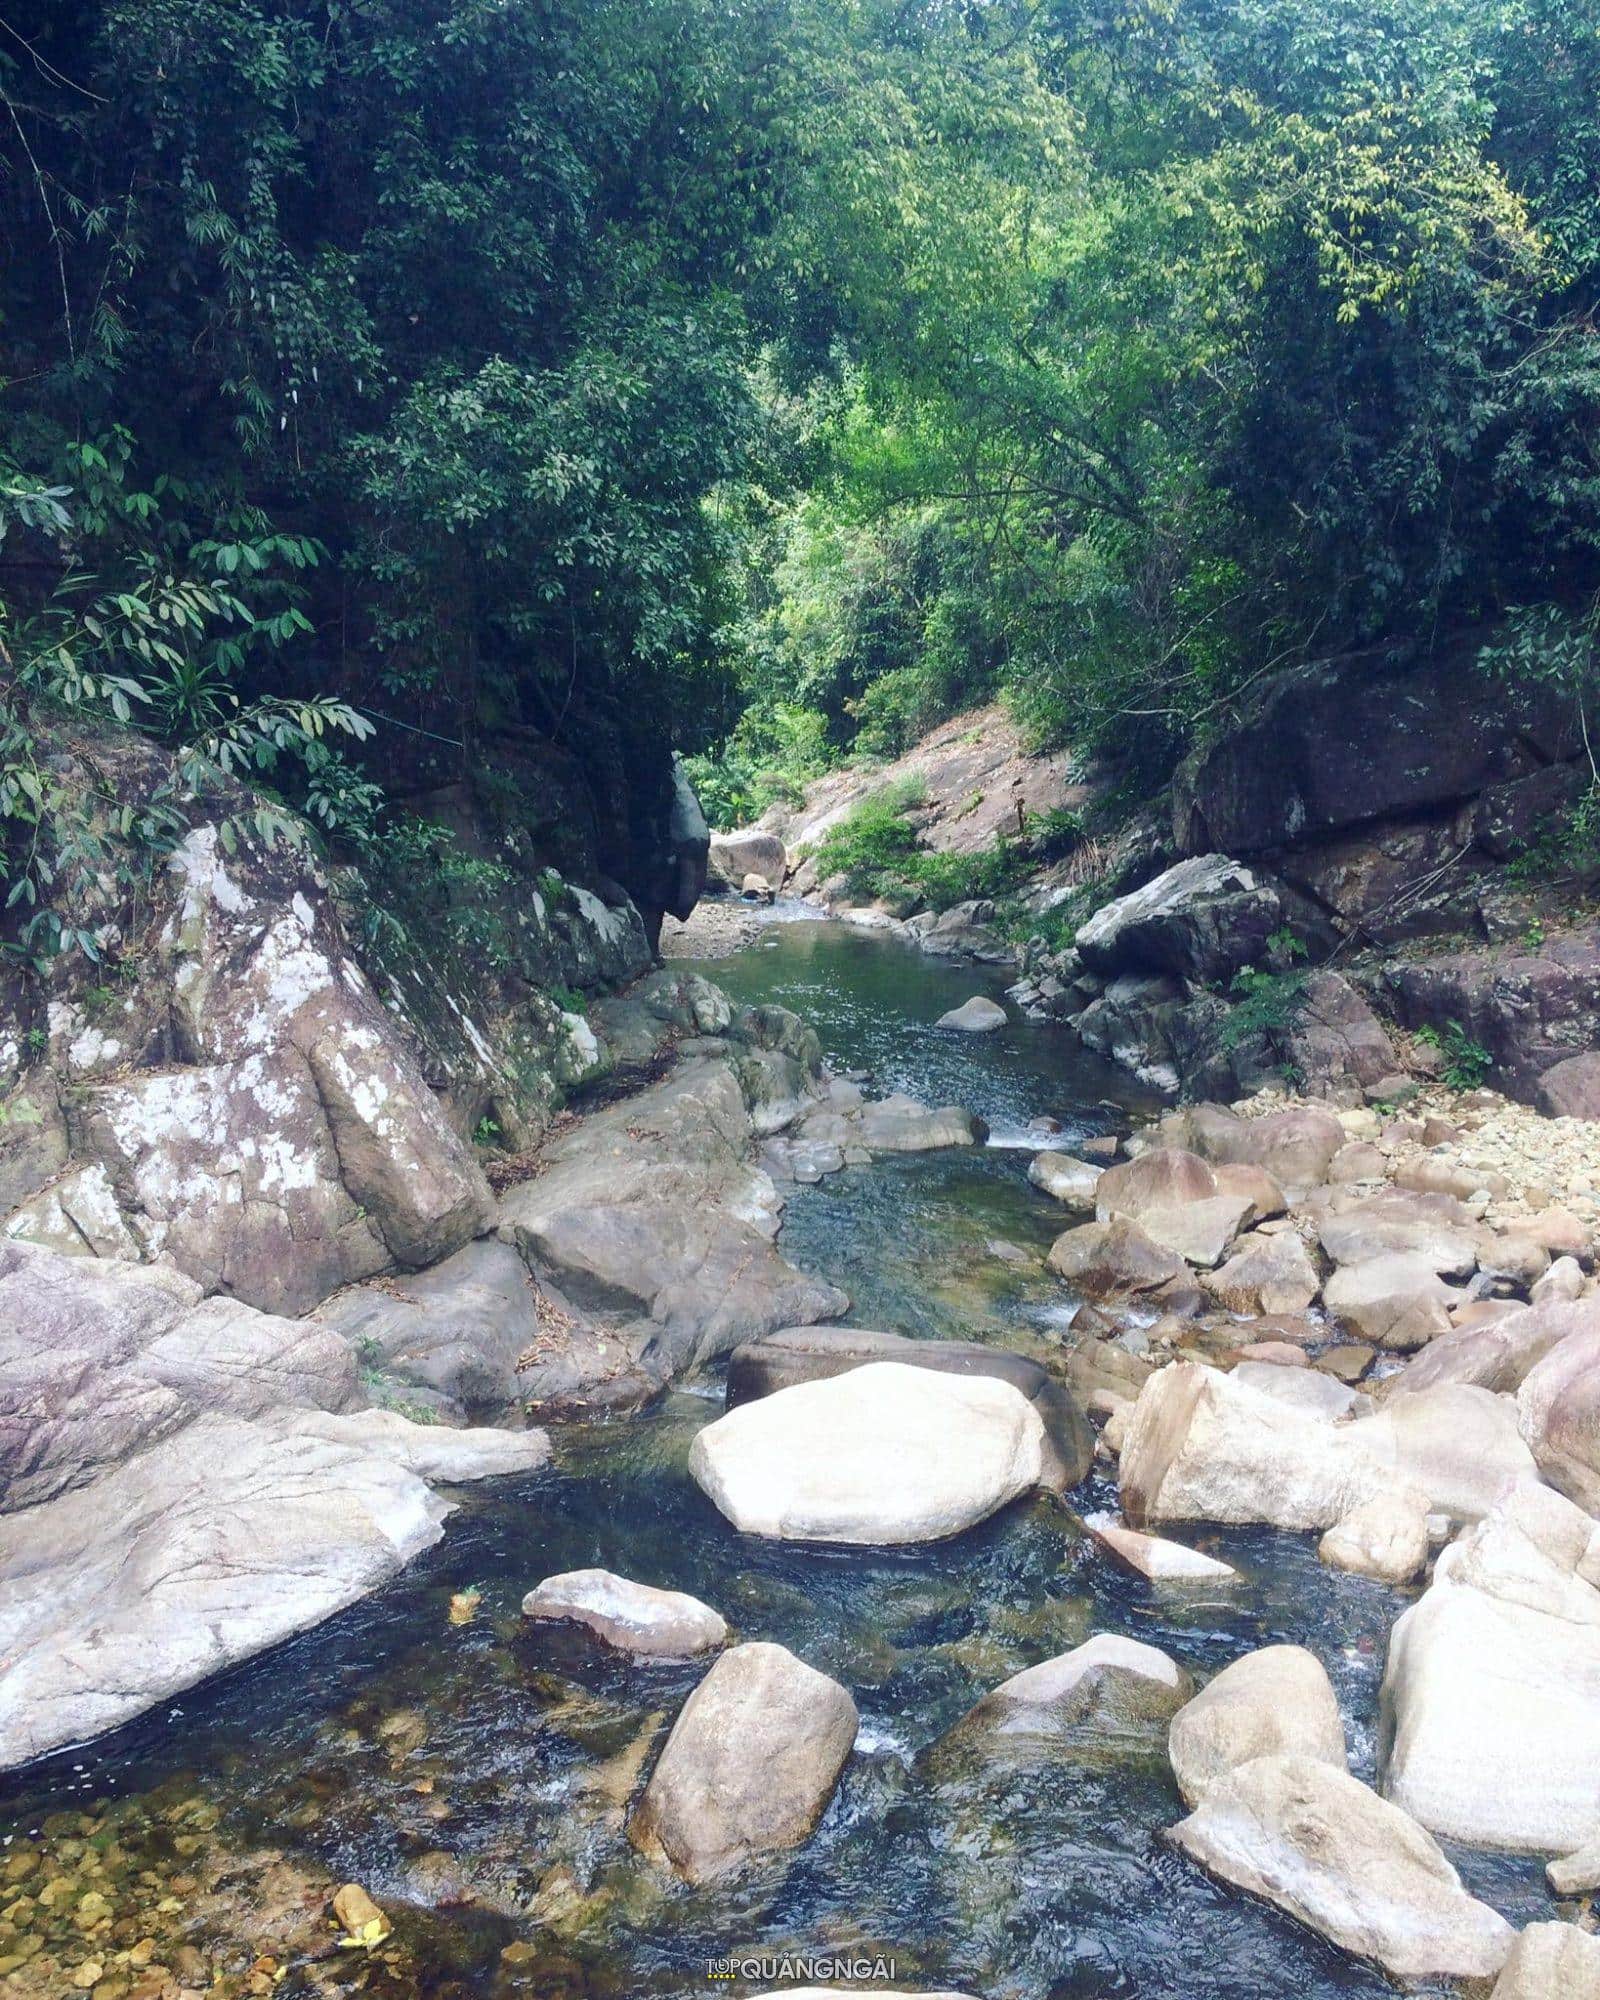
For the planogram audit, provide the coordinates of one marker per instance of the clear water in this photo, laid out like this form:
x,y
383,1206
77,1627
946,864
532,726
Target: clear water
x,y
503,1824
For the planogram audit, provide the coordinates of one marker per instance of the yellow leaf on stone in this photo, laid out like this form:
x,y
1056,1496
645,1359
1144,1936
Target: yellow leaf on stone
x,y
464,1606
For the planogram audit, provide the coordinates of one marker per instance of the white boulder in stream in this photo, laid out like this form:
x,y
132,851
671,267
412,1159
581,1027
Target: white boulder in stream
x,y
883,1454
1276,1702
630,1617
1316,1843
977,1016
750,1764
1491,1698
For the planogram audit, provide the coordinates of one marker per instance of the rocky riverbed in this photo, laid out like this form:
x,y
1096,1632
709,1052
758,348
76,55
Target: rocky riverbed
x,y
900,1659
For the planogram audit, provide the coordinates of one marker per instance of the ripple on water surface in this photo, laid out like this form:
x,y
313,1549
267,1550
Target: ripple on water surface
x,y
438,1762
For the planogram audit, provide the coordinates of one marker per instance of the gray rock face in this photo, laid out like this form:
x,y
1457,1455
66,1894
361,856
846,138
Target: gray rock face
x,y
100,1359
882,1454
649,1214
295,1145
1310,1839
209,1546
1331,747
481,1336
629,1617
749,1767
1277,1702
814,1353
1203,920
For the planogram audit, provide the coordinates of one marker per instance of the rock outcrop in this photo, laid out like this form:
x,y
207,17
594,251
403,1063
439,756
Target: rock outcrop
x,y
220,1540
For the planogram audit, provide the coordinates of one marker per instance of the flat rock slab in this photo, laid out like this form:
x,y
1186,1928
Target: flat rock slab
x,y
814,1353
630,1617
1153,1557
882,1454
750,1764
1316,1843
209,1547
1070,1181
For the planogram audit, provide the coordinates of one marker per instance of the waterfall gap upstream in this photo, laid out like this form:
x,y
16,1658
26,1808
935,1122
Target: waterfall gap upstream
x,y
473,1776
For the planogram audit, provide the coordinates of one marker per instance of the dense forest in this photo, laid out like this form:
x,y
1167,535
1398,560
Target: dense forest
x,y
770,377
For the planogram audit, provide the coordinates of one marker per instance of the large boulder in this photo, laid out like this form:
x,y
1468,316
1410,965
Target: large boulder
x,y
1202,1447
1432,1228
629,1617
1203,920
1265,1275
1571,1089
1296,1146
1162,1177
814,1353
1386,1538
1494,1354
1491,1696
749,1767
1459,1445
1316,1843
1276,1702
750,851
1551,1962
978,1016
1395,1300
1070,1181
881,1454
1109,1259
208,1547
1558,1407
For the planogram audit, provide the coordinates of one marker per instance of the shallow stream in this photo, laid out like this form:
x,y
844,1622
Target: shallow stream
x,y
473,1777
